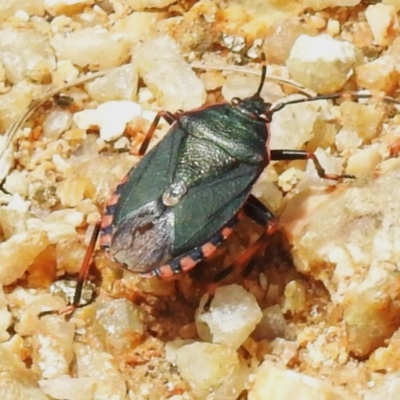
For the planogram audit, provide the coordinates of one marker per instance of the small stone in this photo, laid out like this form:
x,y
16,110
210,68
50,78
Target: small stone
x,y
66,7
363,163
111,117
26,54
56,123
18,253
9,7
120,84
138,5
14,103
211,368
168,75
321,63
365,120
5,317
383,21
92,47
378,75
94,363
53,347
72,191
137,27
67,388
123,322
299,118
272,324
274,383
17,381
232,316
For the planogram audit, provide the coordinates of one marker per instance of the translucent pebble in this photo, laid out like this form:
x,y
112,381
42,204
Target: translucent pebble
x,y
119,84
293,126
272,324
274,383
94,363
388,389
67,388
347,139
14,103
9,7
364,162
321,4
121,319
17,381
379,74
232,316
5,317
66,7
136,27
111,117
56,123
18,253
363,119
53,346
138,5
69,216
211,369
383,21
17,182
72,191
25,54
92,47
321,63
168,75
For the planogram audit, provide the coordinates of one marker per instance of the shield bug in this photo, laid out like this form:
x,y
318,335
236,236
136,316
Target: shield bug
x,y
184,197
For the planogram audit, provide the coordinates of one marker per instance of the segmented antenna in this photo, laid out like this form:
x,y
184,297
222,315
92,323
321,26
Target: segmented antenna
x,y
263,75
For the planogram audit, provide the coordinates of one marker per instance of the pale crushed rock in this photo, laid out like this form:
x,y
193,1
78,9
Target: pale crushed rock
x,y
321,63
354,234
9,7
120,84
275,383
86,48
384,23
139,5
20,61
18,252
5,317
68,388
232,316
52,358
17,381
168,75
111,117
60,7
92,363
215,368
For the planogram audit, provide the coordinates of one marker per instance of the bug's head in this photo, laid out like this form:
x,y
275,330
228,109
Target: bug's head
x,y
255,107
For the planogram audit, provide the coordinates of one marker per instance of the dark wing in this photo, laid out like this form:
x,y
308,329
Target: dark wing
x,y
148,180
143,229
206,208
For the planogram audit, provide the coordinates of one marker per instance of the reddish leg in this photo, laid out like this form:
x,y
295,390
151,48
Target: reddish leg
x,y
83,273
278,155
169,117
259,213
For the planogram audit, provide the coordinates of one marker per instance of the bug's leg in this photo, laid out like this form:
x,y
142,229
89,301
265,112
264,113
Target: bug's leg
x,y
278,155
259,213
83,273
168,116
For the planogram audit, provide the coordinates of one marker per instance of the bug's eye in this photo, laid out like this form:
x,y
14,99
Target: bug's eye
x,y
235,101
